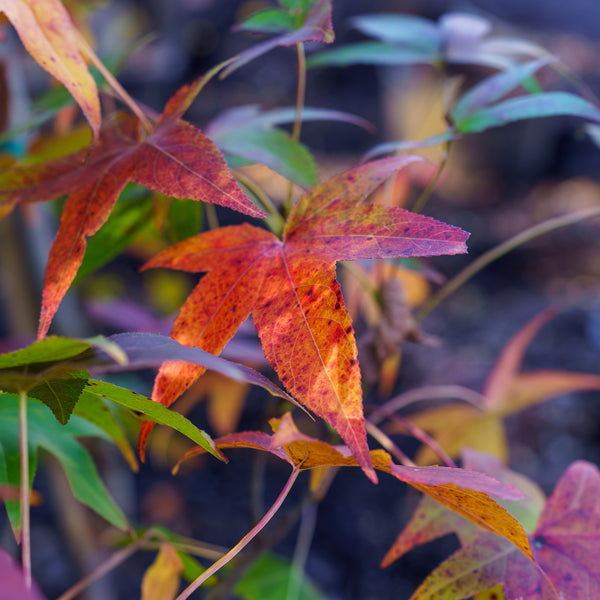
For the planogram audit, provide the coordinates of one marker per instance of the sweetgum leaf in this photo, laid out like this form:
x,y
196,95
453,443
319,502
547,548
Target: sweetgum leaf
x,y
290,288
12,581
270,20
48,34
175,159
60,441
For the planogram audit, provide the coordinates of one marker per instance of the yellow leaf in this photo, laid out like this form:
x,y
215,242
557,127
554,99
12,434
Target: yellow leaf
x,y
48,34
161,579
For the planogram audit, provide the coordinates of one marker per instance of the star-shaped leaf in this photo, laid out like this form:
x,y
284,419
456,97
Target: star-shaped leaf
x,y
289,286
175,159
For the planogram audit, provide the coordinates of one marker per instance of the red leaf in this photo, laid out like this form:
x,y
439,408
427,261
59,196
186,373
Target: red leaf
x,y
316,28
289,285
175,159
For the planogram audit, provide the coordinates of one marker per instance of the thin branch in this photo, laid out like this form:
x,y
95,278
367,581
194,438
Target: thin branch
x,y
420,202
244,541
500,250
388,444
24,457
306,532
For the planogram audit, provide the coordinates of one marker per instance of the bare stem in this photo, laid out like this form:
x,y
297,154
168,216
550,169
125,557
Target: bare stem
x,y
25,524
275,219
108,565
297,127
306,531
243,542
420,202
500,250
388,444
112,81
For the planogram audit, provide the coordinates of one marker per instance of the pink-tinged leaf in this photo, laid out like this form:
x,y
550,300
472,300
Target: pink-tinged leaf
x,y
290,288
316,28
48,34
175,159
12,581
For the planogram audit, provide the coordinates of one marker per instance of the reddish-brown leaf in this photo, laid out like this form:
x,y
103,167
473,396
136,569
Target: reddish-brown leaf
x,y
175,159
49,35
290,287
316,28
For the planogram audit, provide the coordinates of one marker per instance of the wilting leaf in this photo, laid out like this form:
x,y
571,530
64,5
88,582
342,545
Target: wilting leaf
x,y
161,579
464,492
48,34
175,159
290,287
315,27
59,440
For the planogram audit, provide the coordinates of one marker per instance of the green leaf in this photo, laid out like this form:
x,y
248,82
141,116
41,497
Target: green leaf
x,y
275,149
152,411
184,219
130,215
49,350
494,87
60,441
93,408
549,104
60,394
372,53
270,577
270,20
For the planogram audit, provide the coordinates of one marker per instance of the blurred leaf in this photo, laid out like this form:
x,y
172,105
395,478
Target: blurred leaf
x,y
270,578
161,579
594,132
547,104
152,411
184,219
131,214
60,441
404,30
12,581
270,20
49,350
315,27
493,88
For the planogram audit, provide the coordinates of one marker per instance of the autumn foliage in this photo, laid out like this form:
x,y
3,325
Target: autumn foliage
x,y
282,269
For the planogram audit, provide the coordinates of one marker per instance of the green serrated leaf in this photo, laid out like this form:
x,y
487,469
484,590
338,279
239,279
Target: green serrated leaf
x,y
152,411
92,408
60,441
372,53
549,104
60,395
270,578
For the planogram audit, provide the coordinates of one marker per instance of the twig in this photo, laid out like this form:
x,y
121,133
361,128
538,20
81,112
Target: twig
x,y
24,456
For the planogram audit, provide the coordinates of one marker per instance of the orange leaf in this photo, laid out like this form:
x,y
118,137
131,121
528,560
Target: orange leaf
x,y
464,492
48,34
175,159
290,287
161,579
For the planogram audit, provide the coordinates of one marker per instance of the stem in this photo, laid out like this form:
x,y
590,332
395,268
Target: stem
x,y
363,279
24,457
500,250
244,541
300,95
112,81
305,536
420,202
388,444
428,392
211,216
108,565
275,219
